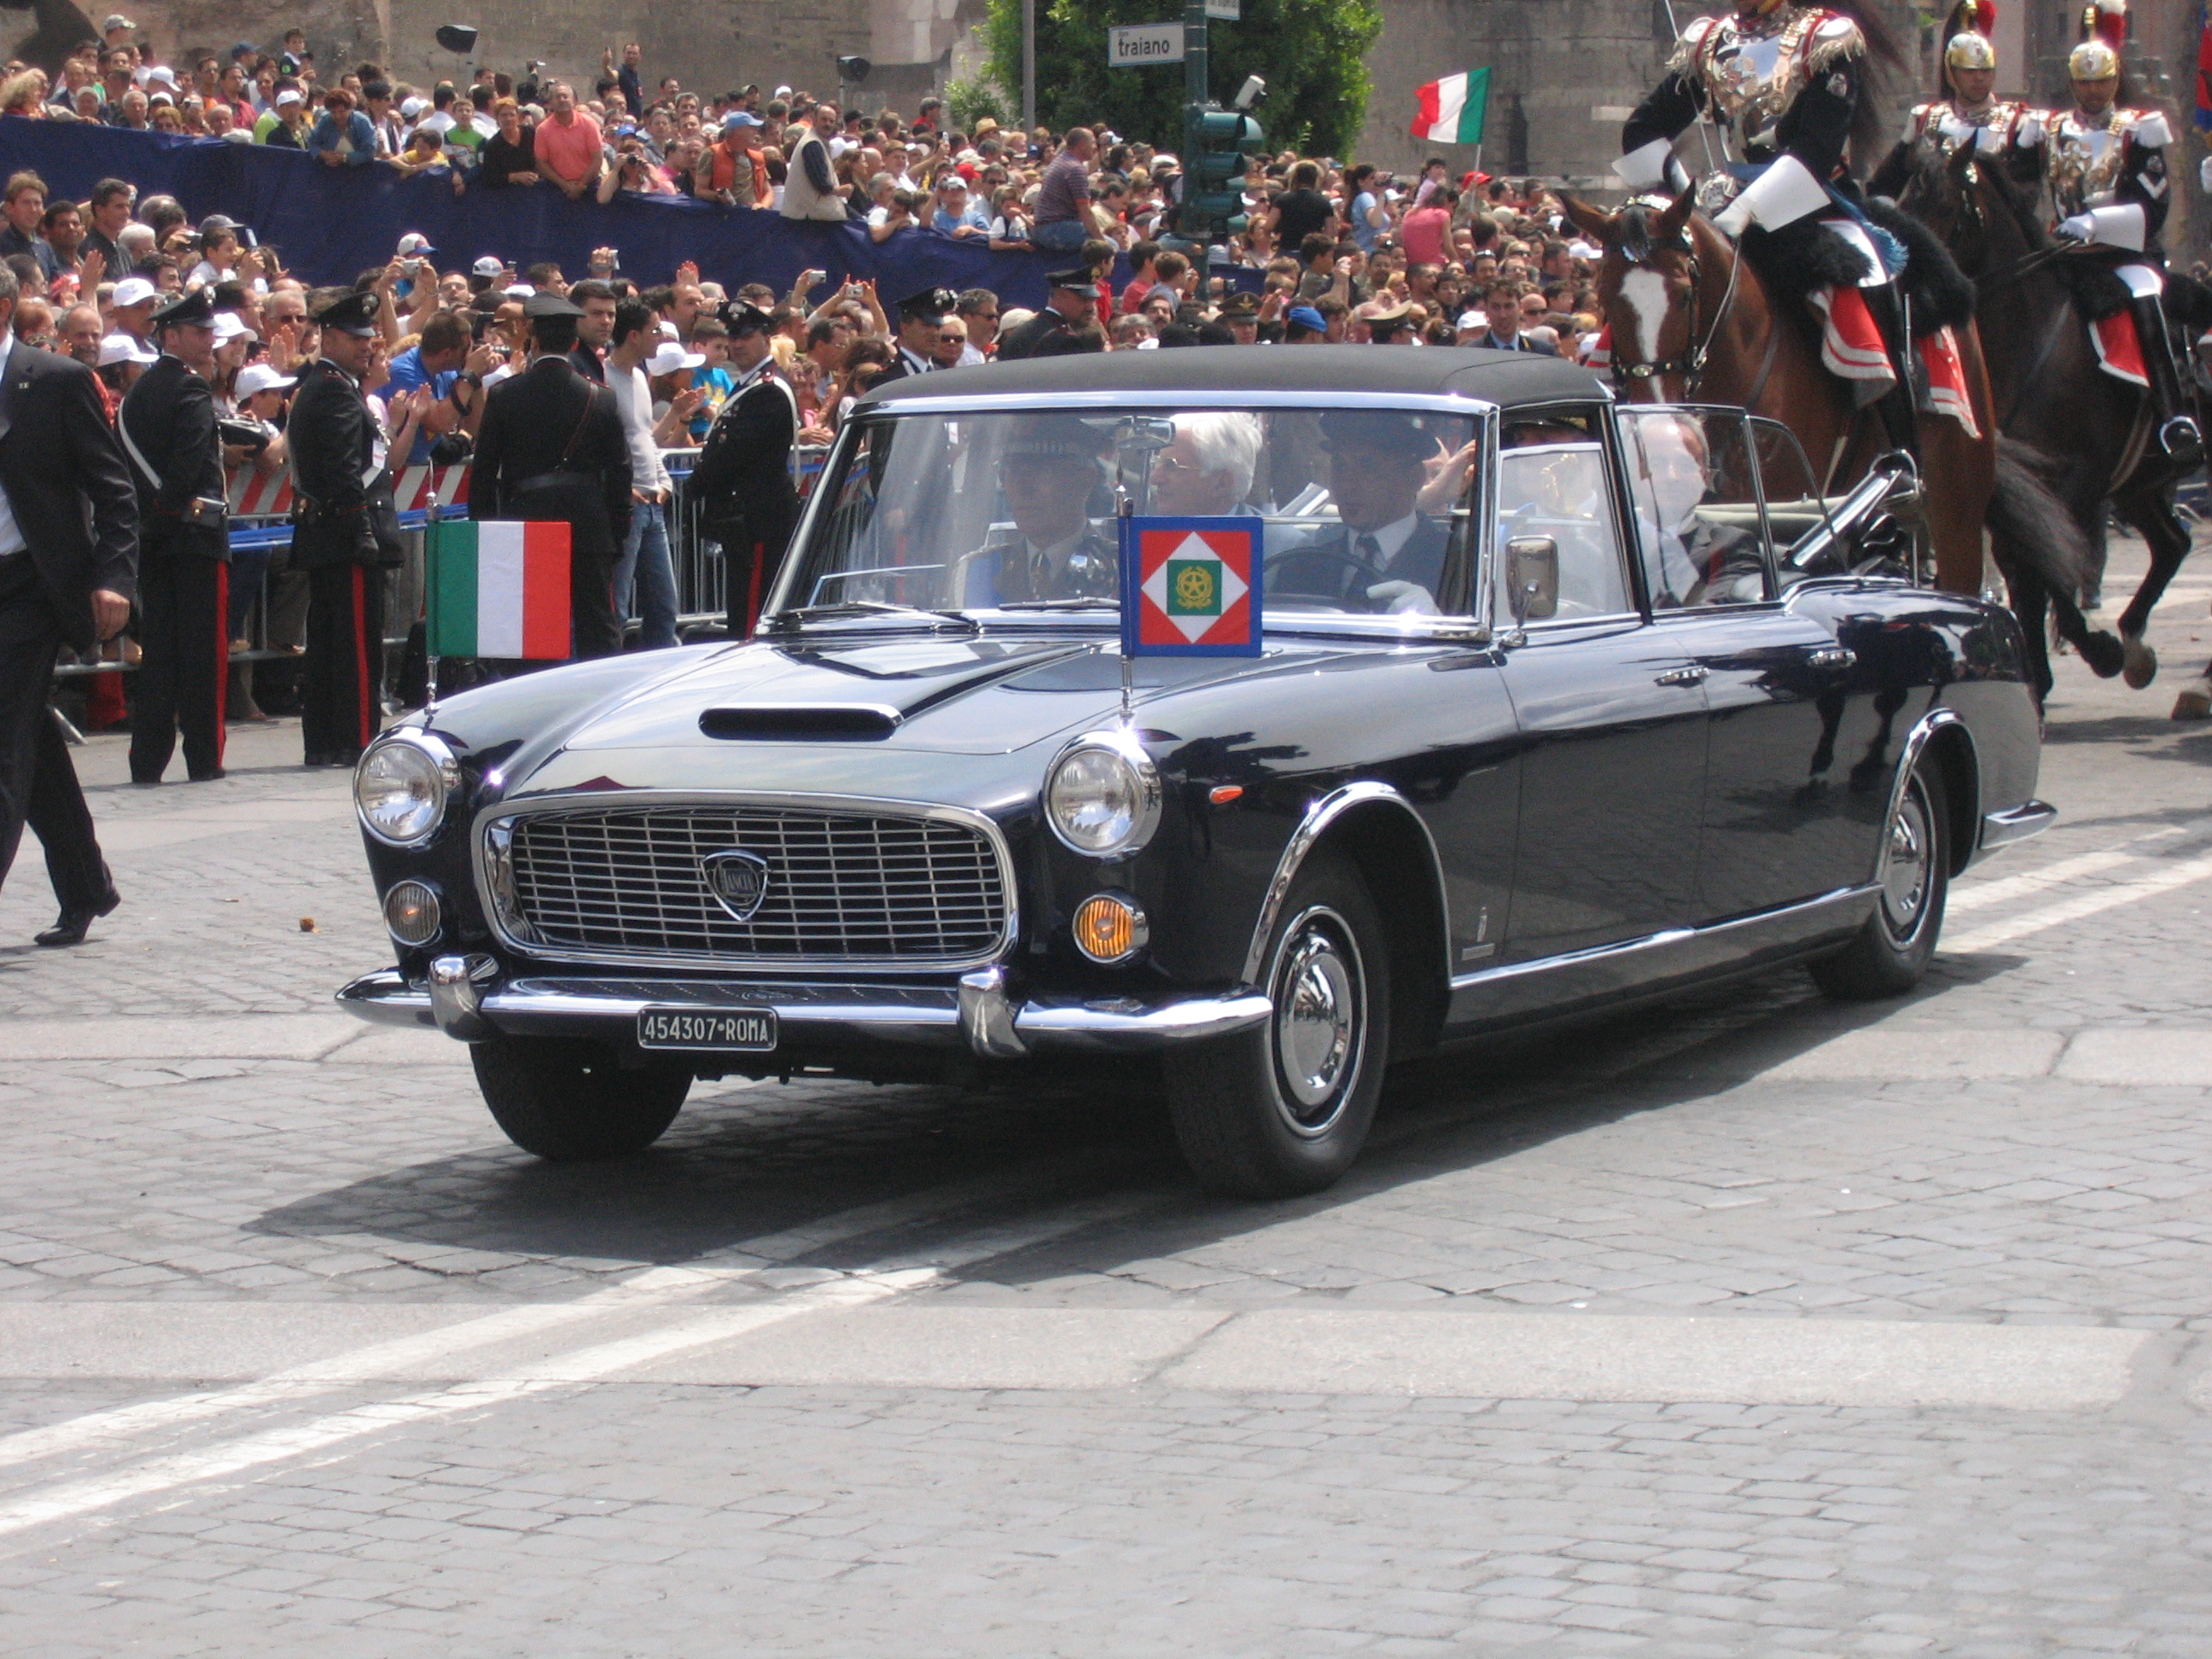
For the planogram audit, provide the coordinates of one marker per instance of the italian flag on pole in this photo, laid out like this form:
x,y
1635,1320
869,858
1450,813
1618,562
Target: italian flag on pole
x,y
1452,108
497,589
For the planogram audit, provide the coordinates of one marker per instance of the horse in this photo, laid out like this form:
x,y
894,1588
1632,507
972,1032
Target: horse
x,y
62,29
2093,430
1692,321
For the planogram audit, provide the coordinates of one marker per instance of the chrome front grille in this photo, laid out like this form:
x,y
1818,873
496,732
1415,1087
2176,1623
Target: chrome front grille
x,y
858,886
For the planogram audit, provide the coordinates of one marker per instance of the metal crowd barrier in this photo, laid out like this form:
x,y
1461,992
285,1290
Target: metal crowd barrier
x,y
260,504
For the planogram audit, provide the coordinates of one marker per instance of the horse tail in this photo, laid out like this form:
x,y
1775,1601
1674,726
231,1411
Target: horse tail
x,y
2037,540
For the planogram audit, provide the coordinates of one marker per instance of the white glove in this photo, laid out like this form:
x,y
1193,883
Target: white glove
x,y
2082,227
2204,173
1989,141
1403,597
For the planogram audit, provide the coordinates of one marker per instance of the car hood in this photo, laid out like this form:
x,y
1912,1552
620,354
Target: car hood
x,y
902,694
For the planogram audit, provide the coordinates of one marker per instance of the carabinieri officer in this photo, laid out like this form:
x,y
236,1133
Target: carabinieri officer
x,y
167,428
551,446
345,534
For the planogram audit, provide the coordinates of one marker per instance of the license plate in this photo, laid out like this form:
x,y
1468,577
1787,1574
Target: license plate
x,y
742,1029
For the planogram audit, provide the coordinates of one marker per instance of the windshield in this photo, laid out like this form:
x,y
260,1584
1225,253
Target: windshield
x,y
1363,511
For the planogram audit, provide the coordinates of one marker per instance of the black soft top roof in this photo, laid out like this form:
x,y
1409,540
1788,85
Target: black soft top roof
x,y
1504,378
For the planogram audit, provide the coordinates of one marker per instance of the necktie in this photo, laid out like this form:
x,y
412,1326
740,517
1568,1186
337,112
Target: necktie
x,y
1370,549
1040,573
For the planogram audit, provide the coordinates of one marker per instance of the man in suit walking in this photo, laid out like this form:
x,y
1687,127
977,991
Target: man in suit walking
x,y
551,446
345,531
742,478
167,428
69,564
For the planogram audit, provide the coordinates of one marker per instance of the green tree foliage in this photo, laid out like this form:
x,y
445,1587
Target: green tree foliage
x,y
1312,54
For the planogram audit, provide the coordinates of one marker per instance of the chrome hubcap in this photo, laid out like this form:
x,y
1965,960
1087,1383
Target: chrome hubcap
x,y
1905,863
1320,995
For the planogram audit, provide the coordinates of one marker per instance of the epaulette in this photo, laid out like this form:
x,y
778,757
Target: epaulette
x,y
1686,49
1835,38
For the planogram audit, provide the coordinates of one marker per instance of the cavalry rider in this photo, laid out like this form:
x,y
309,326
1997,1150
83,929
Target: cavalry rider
x,y
1787,79
1969,113
2110,188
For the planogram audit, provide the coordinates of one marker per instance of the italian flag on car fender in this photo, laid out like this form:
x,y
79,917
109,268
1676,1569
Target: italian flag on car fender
x,y
1190,587
497,589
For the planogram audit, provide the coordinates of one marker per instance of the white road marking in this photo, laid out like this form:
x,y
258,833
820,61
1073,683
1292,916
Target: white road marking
x,y
1980,894
2179,873
41,1506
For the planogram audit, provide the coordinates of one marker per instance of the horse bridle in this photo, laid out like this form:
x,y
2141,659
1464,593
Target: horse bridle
x,y
1637,247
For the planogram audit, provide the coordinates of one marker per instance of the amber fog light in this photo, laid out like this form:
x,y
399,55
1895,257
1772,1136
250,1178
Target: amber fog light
x,y
412,913
1109,928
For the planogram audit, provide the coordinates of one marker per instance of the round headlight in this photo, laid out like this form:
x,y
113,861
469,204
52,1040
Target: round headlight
x,y
1103,795
412,913
400,789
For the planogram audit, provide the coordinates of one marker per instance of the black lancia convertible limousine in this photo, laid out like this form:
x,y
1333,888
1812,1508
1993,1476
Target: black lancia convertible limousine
x,y
1561,704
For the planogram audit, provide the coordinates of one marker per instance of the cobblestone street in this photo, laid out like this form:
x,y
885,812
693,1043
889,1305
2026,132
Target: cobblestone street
x,y
1750,1325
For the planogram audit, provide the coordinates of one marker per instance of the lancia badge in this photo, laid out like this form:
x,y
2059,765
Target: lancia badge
x,y
738,879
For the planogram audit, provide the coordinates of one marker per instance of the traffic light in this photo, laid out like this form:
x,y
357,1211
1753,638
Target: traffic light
x,y
1218,140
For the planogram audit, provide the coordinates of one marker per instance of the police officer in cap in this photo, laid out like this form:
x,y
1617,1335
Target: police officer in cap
x,y
1071,301
346,532
1051,469
167,428
921,319
551,446
742,483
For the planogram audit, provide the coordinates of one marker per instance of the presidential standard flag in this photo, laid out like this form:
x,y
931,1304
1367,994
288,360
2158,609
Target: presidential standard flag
x,y
1452,108
497,589
1190,587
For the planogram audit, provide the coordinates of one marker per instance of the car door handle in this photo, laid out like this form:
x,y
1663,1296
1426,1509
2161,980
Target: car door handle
x,y
1835,656
1694,675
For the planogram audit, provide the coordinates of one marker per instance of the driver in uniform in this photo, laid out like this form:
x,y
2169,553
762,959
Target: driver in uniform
x,y
1049,470
1385,555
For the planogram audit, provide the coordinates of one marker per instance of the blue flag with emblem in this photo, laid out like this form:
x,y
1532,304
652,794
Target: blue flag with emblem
x,y
1190,586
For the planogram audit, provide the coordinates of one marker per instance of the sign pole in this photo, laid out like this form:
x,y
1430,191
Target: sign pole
x,y
1029,72
1194,128
1126,546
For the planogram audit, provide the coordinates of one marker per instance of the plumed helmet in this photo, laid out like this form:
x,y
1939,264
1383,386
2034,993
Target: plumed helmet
x,y
2092,60
1968,50
2104,33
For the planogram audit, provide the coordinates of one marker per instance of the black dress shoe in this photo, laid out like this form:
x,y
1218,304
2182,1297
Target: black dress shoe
x,y
315,757
74,923
203,777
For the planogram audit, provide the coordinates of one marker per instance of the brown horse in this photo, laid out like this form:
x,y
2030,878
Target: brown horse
x,y
1692,322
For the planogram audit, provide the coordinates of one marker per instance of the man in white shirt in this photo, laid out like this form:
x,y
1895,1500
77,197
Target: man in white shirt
x,y
643,574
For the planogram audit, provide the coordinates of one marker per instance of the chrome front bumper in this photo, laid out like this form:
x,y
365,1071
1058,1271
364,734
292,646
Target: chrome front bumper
x,y
466,1000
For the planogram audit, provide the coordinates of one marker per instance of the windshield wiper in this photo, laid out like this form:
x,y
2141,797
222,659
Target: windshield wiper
x,y
806,613
1060,604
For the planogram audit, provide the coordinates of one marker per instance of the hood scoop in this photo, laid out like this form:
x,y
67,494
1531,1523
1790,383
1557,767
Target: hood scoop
x,y
769,722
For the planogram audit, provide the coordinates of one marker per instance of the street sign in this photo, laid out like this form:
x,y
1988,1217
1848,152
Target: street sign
x,y
1137,45
1225,11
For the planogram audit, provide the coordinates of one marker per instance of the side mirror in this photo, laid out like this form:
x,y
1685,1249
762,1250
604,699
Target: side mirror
x,y
1532,578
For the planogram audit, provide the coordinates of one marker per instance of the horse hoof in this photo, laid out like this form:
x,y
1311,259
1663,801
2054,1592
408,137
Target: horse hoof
x,y
2142,661
2195,703
2104,654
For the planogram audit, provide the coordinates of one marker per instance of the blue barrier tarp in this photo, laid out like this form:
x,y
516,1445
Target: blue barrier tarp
x,y
330,224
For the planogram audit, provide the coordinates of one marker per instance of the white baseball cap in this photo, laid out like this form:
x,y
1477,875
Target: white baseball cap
x,y
519,290
416,242
289,95
228,326
672,357
412,108
487,266
122,349
262,377
134,291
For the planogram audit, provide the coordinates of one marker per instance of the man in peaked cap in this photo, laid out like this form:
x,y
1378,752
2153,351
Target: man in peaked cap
x,y
921,322
167,426
345,533
1385,553
551,446
1071,301
1048,471
742,483
1240,313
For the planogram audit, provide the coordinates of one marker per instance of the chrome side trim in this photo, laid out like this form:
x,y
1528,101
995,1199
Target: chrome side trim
x,y
1668,938
2016,825
485,859
1916,743
1318,819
